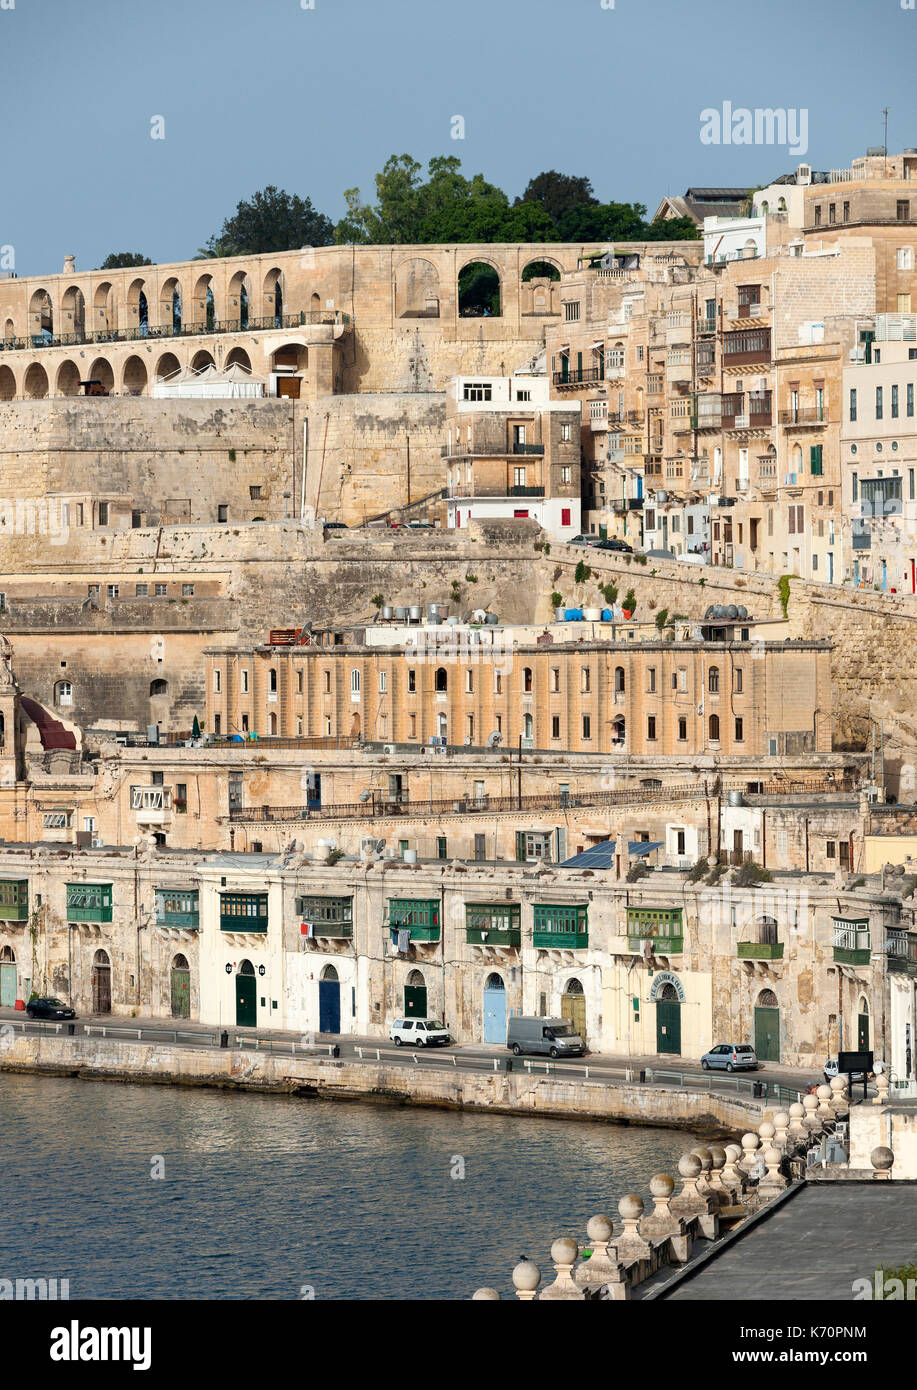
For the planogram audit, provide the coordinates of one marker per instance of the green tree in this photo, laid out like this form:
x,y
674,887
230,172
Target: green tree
x,y
557,193
122,260
603,222
676,229
271,220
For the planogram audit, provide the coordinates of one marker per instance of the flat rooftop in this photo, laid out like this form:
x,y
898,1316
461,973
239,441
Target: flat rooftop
x,y
813,1245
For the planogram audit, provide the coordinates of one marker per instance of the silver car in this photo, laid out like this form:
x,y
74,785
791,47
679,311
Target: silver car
x,y
730,1057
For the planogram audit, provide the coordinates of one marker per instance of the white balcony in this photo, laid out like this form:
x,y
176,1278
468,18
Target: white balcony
x,y
152,805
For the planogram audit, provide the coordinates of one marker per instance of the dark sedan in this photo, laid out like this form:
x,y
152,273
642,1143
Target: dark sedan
x,y
49,1007
614,544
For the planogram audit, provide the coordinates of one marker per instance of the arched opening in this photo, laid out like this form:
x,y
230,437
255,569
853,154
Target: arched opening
x,y
246,988
101,371
863,1024
441,680
134,379
767,1027
573,1006
620,680
766,931
713,680
415,995
781,204
714,728
170,306
668,1017
272,725
35,385
540,289
8,978
289,363
63,694
101,983
527,680
7,384
239,298
273,297
202,306
417,290
479,291
495,1009
618,730
239,358
442,728
315,304
73,310
329,1001
68,380
9,330
158,687
167,365
41,317
528,727
202,359
138,307
180,987
103,312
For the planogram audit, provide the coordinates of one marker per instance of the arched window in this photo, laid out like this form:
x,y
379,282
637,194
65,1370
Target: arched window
x,y
619,680
272,680
574,986
273,725
416,979
713,680
494,981
159,687
767,999
329,973
527,679
667,995
781,204
714,728
355,682
63,693
441,679
617,732
479,291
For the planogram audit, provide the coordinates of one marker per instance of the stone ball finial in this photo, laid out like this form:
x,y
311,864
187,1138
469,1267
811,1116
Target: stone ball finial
x,y
630,1206
773,1157
526,1276
718,1155
564,1251
766,1131
838,1084
809,1103
882,1159
690,1166
797,1111
480,1295
750,1142
599,1228
781,1119
733,1152
706,1159
824,1093
662,1185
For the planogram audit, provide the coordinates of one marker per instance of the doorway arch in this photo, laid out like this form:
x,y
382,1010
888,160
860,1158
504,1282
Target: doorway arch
x,y
101,983
573,1006
863,1025
329,1001
668,994
180,987
495,1008
246,995
8,977
767,1026
415,995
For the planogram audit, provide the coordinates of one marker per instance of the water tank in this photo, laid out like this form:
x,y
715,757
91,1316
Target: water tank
x,y
479,615
742,612
573,615
434,610
607,615
453,621
401,615
709,612
322,851
410,856
416,612
560,614
388,612
732,611
876,150
736,799
434,620
491,620
718,611
592,615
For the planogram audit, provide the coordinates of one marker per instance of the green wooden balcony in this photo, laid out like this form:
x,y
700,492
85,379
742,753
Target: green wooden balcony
x,y
845,955
759,950
179,909
493,936
243,912
14,900
88,902
418,916
493,924
560,940
561,927
662,945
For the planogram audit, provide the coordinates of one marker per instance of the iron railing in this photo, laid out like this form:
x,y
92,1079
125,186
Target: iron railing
x,y
145,332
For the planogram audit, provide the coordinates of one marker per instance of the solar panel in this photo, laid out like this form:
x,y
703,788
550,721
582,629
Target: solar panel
x,y
602,855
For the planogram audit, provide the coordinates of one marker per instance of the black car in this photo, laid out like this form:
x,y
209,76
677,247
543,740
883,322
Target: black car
x,y
613,543
49,1007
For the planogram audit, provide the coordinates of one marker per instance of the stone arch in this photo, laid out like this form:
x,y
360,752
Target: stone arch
x,y
103,315
329,973
290,355
315,303
417,293
101,983
766,999
272,296
138,304
239,298
101,370
68,380
35,383
238,357
202,359
158,687
134,377
8,955
540,287
7,383
667,986
203,304
9,330
416,979
167,365
73,312
41,314
170,305
495,981
479,288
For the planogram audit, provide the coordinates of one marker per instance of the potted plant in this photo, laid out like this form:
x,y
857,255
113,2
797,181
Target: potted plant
x,y
628,606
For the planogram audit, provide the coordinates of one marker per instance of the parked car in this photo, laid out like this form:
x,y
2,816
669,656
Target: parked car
x,y
335,526
830,1071
730,1057
49,1006
582,540
421,525
418,1032
553,1037
614,543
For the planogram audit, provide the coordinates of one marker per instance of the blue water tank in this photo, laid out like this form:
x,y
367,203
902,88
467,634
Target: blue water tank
x,y
573,615
607,615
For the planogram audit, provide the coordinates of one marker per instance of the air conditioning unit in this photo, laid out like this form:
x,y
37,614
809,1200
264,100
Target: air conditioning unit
x,y
97,843
388,748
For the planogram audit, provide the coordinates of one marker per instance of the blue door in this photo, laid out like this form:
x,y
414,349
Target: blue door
x,y
329,1006
494,1010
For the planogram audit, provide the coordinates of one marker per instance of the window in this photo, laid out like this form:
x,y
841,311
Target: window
x,y
903,210
555,726
159,687
565,478
682,730
587,726
477,391
160,590
894,402
909,406
905,258
832,213
383,677
480,848
818,214
222,512
354,682
272,681
469,682
141,590
412,682
187,590
441,680
737,680
566,434
442,847
714,728
651,726
619,680
816,466
103,513
713,680
571,311
254,493
878,402
63,693
56,820
114,591
527,679
136,520
587,676
853,404
846,212
740,730
829,849
651,679
217,682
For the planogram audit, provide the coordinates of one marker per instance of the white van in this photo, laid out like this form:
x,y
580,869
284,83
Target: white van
x,y
552,1037
418,1032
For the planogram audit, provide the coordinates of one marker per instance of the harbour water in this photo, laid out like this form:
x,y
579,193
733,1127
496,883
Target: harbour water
x,y
266,1197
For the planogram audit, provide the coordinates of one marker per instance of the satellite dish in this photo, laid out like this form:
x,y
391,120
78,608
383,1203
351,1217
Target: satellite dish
x,y
494,739
366,796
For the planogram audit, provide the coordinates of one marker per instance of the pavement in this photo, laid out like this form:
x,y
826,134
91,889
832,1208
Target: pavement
x,y
462,1056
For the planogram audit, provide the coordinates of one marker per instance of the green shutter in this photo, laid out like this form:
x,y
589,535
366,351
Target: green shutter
x,y
815,459
520,845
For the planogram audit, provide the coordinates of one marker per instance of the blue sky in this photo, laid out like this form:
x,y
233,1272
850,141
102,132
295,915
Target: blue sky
x,y
263,91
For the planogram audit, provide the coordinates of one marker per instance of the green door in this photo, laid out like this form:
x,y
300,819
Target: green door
x,y
246,1001
767,1034
181,993
862,1032
668,1025
8,986
415,1001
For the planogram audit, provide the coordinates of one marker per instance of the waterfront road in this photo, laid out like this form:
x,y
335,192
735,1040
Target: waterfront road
x,y
783,1084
